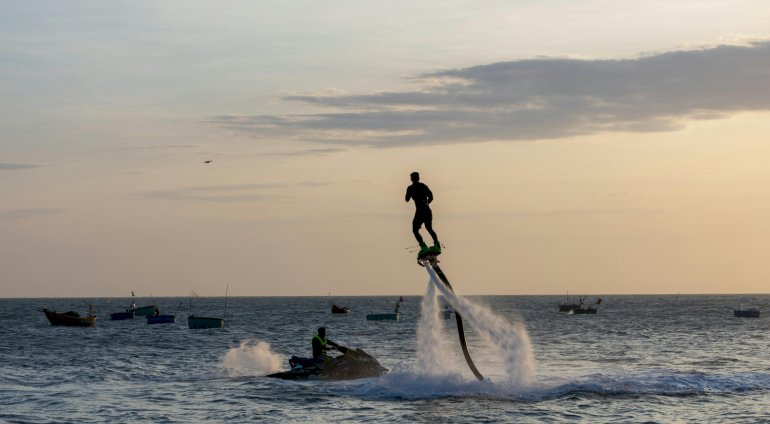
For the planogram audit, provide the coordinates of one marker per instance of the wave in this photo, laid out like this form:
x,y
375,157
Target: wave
x,y
403,383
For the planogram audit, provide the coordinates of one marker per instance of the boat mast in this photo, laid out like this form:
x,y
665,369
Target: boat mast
x,y
224,316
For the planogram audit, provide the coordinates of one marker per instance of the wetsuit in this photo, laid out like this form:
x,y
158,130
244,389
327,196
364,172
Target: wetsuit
x,y
422,215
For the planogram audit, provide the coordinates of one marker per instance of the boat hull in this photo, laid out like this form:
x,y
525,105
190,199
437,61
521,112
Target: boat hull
x,y
119,316
144,311
194,322
746,313
69,319
583,311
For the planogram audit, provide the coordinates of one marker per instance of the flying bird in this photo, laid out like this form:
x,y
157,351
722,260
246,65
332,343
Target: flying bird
x,y
208,161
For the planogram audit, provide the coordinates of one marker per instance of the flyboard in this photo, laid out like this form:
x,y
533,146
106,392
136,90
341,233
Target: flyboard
x,y
431,261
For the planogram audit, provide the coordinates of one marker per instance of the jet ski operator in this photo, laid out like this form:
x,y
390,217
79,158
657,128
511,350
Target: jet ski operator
x,y
320,346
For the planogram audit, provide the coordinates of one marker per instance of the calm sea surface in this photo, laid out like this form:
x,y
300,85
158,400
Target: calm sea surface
x,y
640,359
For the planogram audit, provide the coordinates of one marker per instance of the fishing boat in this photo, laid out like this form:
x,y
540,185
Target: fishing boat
x,y
340,309
198,322
582,309
388,316
746,313
70,319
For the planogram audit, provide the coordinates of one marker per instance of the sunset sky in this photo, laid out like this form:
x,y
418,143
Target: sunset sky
x,y
591,147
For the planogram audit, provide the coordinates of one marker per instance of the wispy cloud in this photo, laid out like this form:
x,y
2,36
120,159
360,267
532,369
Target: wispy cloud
x,y
230,193
16,166
29,213
535,99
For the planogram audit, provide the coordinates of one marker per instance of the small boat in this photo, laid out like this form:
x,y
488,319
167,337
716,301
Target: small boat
x,y
340,309
196,322
204,322
70,319
746,313
159,318
582,309
389,316
352,364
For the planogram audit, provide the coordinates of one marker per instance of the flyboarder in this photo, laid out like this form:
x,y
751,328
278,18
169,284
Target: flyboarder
x,y
422,215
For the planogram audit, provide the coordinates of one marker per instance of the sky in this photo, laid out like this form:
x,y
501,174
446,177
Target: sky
x,y
593,147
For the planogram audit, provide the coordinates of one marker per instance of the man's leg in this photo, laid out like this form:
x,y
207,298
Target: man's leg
x,y
429,227
416,224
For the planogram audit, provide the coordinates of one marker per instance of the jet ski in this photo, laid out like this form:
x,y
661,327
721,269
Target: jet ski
x,y
351,365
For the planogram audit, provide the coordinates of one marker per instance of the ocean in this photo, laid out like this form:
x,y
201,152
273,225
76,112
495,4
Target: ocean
x,y
640,359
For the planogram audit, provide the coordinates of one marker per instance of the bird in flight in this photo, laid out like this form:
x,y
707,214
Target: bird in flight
x,y
208,161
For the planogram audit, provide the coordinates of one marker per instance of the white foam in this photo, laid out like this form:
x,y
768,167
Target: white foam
x,y
251,358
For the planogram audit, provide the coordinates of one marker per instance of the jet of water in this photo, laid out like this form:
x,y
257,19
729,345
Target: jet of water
x,y
510,339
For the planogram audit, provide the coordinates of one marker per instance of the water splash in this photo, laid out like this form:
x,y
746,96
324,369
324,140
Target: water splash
x,y
510,339
430,355
251,358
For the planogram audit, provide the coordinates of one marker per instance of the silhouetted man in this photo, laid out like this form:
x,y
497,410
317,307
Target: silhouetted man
x,y
422,197
320,345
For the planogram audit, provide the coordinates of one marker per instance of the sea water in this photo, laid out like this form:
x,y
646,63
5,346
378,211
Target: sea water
x,y
640,359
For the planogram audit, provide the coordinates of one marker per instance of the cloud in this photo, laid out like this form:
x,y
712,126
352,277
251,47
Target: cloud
x,y
29,213
230,193
534,99
16,166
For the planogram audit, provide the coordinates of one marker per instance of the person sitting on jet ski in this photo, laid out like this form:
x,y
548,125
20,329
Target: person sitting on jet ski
x,y
320,345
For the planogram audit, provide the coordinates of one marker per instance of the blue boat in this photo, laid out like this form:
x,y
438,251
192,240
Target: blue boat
x,y
161,319
746,313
